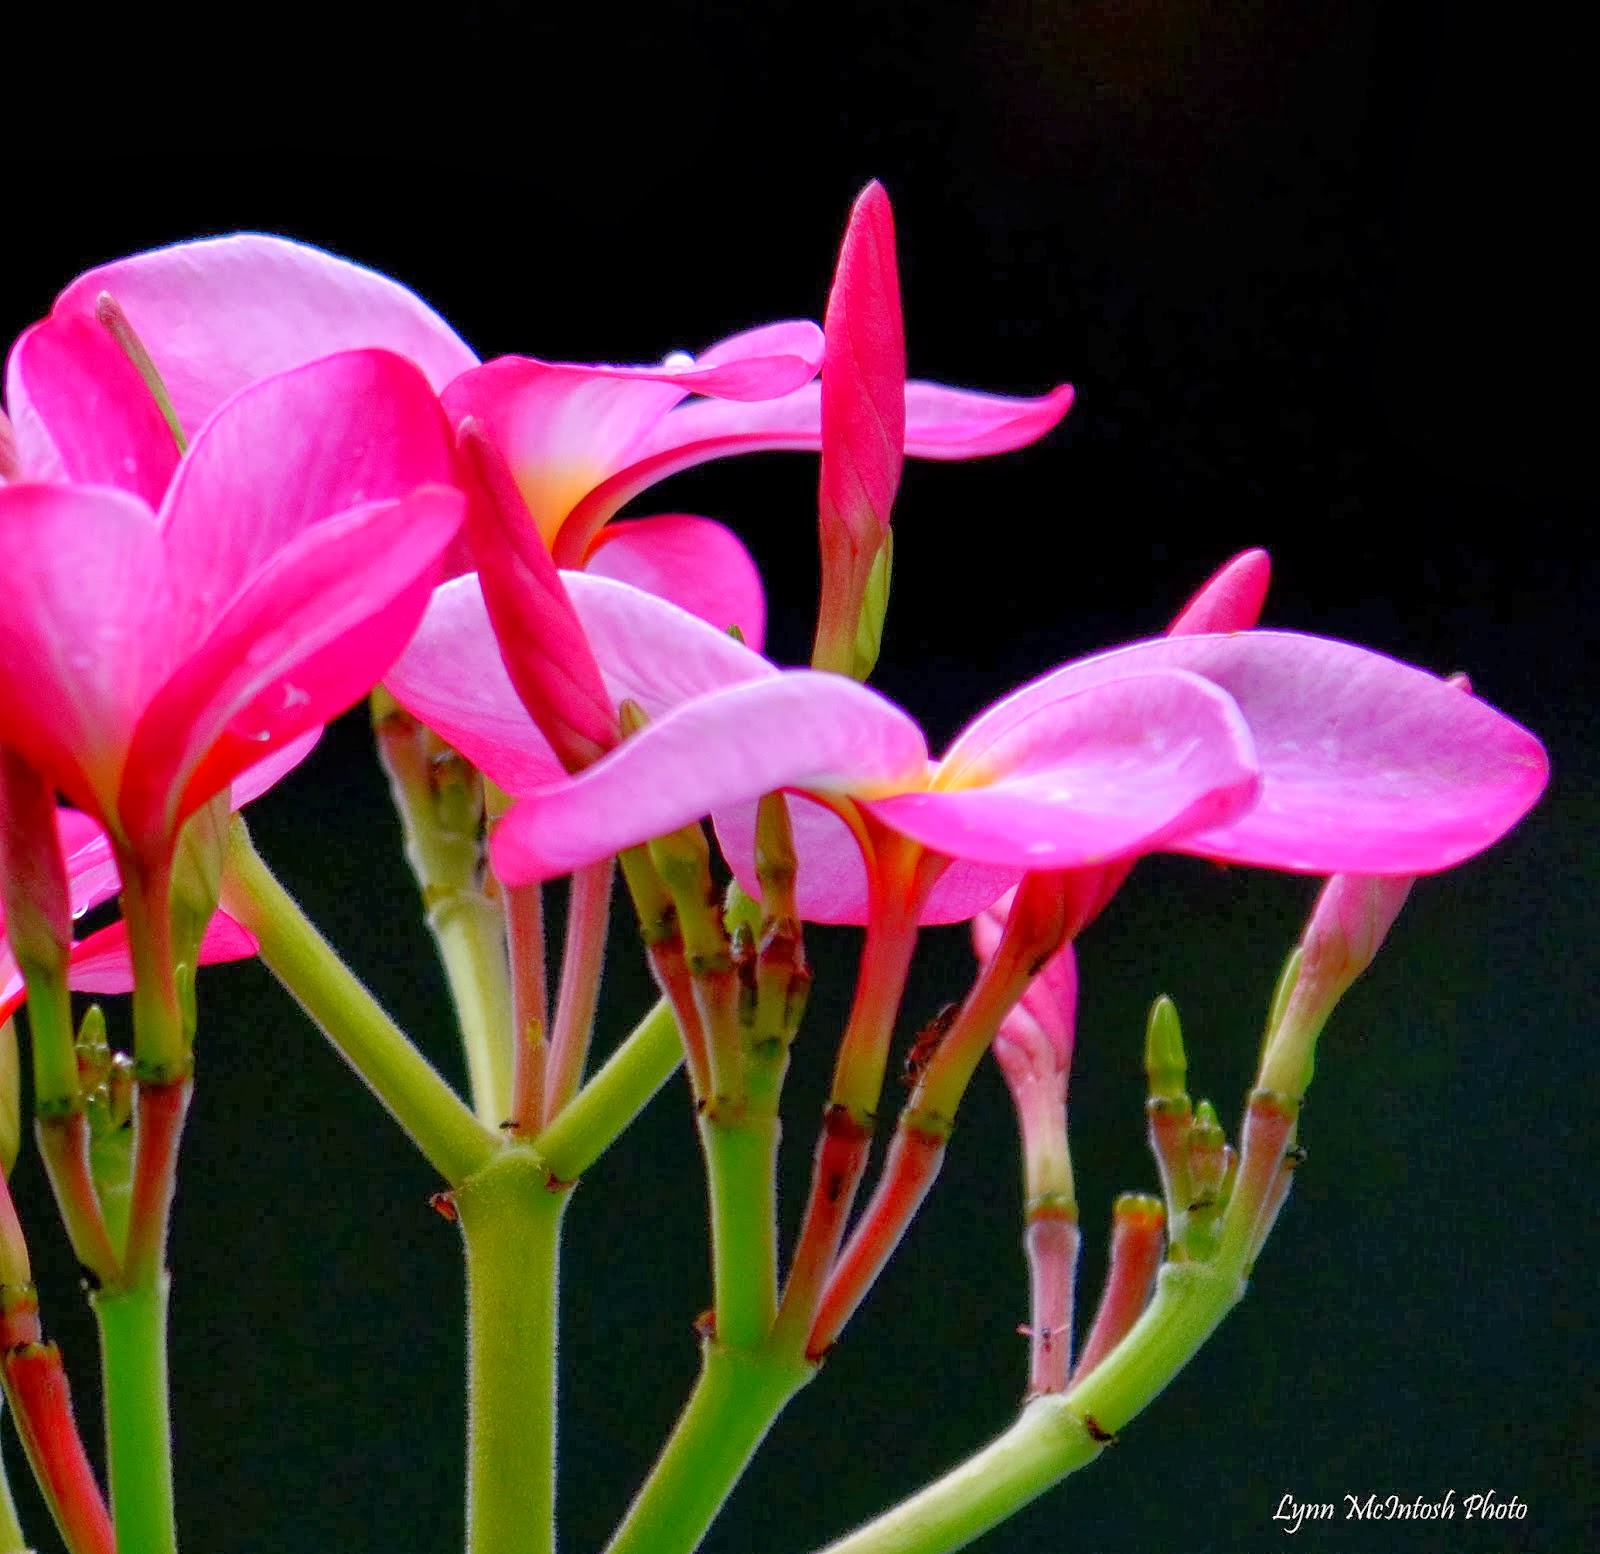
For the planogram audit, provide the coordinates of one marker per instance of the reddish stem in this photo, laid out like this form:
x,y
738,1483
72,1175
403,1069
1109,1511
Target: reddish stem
x,y
582,961
1137,1224
1261,1183
913,1162
840,1160
671,971
530,1016
41,1405
158,1116
64,1147
1051,1243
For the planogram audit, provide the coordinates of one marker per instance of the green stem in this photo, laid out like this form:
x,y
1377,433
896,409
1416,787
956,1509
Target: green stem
x,y
133,1349
741,1177
470,934
587,1125
12,1540
1054,1436
434,1117
512,1223
733,1405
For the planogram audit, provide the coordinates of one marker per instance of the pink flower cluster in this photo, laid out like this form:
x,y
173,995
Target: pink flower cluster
x,y
245,481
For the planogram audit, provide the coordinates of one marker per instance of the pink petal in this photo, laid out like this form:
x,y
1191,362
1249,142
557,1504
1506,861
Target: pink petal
x,y
541,642
91,866
863,381
1043,1023
218,314
83,413
1230,600
941,423
700,565
85,635
799,729
251,783
948,423
562,430
762,363
1368,766
831,881
365,428
452,678
1124,767
312,632
101,963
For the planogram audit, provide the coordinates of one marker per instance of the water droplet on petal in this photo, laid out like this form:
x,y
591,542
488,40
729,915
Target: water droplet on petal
x,y
678,359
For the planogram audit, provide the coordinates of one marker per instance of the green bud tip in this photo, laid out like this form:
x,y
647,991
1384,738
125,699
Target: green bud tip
x,y
1165,1064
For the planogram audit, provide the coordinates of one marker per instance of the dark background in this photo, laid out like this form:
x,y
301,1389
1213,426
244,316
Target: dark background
x,y
1307,265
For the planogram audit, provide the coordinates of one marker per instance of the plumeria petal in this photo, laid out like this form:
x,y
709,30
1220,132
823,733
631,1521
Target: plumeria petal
x,y
831,881
83,413
311,633
817,731
255,780
1368,765
85,637
1123,768
365,427
863,383
540,640
941,423
565,427
100,963
700,565
452,675
1230,600
218,314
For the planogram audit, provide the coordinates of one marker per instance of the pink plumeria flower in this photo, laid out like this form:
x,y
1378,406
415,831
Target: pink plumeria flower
x,y
171,634
101,962
1271,748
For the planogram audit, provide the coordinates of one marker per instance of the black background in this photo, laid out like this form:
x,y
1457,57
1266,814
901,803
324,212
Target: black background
x,y
1307,265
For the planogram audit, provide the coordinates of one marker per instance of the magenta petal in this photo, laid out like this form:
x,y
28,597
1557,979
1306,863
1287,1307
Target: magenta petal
x,y
101,963
653,652
762,363
1122,768
218,314
452,678
310,634
83,413
91,866
950,423
1369,766
85,634
800,729
831,881
251,783
364,426
1229,600
863,382
700,565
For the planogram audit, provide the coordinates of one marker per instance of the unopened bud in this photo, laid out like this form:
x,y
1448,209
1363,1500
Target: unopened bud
x,y
1165,1064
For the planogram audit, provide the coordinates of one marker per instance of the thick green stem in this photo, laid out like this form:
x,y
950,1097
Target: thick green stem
x,y
741,1154
1057,1435
511,1219
440,1125
133,1349
587,1124
733,1405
